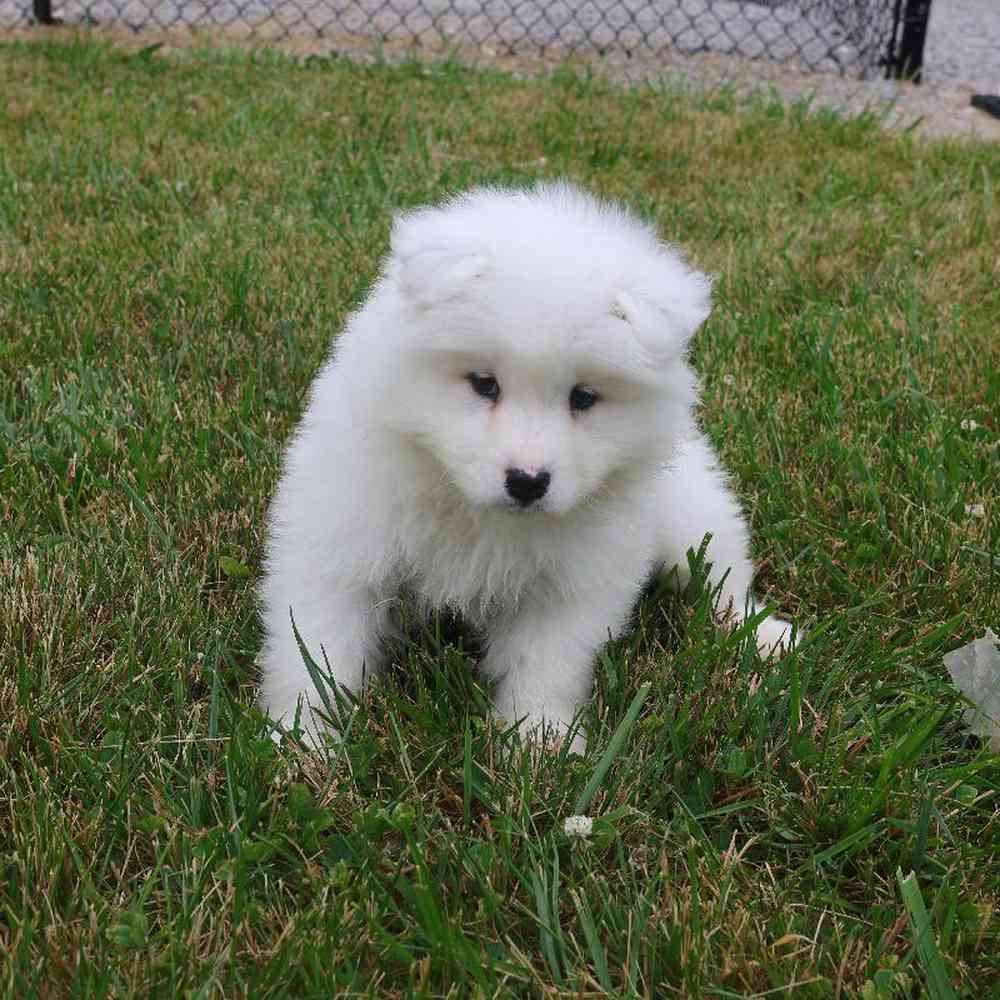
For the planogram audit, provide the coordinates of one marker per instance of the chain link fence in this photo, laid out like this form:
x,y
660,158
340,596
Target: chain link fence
x,y
855,37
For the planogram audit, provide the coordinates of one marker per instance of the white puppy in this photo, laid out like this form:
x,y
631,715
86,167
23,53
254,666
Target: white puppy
x,y
504,429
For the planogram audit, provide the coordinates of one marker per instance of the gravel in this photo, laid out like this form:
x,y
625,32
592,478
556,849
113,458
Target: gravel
x,y
963,44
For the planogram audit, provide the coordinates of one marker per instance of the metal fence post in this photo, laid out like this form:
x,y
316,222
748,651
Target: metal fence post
x,y
906,57
42,11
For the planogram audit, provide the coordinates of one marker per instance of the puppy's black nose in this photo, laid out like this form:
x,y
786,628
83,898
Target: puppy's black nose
x,y
526,488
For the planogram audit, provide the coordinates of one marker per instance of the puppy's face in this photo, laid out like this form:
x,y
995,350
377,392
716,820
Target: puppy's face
x,y
530,431
536,394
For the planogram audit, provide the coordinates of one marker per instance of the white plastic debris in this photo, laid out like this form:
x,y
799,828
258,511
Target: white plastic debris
x,y
578,826
975,670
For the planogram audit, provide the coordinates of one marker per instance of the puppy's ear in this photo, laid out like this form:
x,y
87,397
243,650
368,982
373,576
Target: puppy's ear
x,y
430,277
665,308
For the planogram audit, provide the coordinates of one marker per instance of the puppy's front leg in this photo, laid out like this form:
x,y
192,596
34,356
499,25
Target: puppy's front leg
x,y
542,659
345,626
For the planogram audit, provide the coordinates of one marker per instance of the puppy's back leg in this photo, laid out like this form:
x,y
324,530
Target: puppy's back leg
x,y
696,500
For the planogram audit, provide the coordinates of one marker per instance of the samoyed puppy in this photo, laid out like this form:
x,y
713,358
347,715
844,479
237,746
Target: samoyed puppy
x,y
505,430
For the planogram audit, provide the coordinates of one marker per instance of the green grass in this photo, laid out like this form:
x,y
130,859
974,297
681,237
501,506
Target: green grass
x,y
180,235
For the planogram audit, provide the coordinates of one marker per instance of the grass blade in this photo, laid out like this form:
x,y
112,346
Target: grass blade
x,y
598,954
467,777
614,749
547,915
938,984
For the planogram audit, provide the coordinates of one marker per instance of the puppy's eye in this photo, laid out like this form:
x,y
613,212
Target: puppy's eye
x,y
581,398
485,385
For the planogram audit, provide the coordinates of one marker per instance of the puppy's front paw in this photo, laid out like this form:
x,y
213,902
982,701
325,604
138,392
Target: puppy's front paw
x,y
544,728
555,738
299,717
774,637
552,735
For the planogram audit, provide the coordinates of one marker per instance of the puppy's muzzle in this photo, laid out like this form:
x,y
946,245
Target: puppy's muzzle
x,y
526,487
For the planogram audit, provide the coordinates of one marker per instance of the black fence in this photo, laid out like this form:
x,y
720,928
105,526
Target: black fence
x,y
853,37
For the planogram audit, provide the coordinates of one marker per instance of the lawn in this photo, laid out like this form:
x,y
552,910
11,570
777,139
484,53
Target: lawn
x,y
180,235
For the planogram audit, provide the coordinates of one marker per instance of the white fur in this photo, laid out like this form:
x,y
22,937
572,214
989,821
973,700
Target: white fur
x,y
396,478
